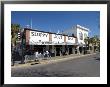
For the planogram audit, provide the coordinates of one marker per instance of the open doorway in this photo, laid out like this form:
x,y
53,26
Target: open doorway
x,y
70,50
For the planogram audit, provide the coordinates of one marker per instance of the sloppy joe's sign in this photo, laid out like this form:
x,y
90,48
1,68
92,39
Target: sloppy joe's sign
x,y
39,34
38,37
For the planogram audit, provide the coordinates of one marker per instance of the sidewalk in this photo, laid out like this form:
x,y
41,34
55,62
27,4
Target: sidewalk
x,y
53,60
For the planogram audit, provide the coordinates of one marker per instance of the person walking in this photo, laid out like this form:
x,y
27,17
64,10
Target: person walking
x,y
44,54
37,57
47,53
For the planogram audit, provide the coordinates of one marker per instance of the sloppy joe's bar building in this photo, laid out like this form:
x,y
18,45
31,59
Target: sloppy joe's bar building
x,y
41,41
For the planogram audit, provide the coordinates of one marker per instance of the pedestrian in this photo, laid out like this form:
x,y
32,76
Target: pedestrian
x,y
47,53
40,55
36,56
44,54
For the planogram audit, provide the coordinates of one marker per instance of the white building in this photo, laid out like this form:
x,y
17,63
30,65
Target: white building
x,y
81,33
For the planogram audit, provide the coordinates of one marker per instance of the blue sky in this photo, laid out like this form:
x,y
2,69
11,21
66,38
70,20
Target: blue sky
x,y
58,20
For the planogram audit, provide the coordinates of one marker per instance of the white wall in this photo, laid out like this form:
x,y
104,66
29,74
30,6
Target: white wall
x,y
36,37
83,32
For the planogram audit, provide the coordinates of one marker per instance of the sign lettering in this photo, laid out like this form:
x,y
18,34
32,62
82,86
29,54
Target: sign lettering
x,y
41,34
58,36
70,38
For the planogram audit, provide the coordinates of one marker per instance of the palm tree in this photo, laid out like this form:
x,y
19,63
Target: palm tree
x,y
15,28
87,42
95,42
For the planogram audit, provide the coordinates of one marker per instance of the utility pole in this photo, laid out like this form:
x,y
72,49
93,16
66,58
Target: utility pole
x,y
31,23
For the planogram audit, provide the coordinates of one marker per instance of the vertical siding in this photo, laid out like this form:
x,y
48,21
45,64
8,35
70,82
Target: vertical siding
x,y
50,37
27,37
64,38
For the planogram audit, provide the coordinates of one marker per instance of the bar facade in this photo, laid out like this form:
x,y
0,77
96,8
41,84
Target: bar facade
x,y
57,44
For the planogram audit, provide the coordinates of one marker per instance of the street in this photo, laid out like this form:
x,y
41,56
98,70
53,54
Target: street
x,y
88,66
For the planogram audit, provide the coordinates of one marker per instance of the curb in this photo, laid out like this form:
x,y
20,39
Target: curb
x,y
69,58
52,61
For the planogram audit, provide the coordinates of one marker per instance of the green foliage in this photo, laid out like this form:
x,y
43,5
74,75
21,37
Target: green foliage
x,y
93,40
15,28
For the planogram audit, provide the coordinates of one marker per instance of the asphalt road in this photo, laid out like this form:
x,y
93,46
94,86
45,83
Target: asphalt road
x,y
88,66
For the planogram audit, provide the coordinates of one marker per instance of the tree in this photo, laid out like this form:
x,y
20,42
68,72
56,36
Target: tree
x,y
87,41
15,28
95,42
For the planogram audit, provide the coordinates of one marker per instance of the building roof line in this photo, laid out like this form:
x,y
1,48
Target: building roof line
x,y
48,32
84,28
